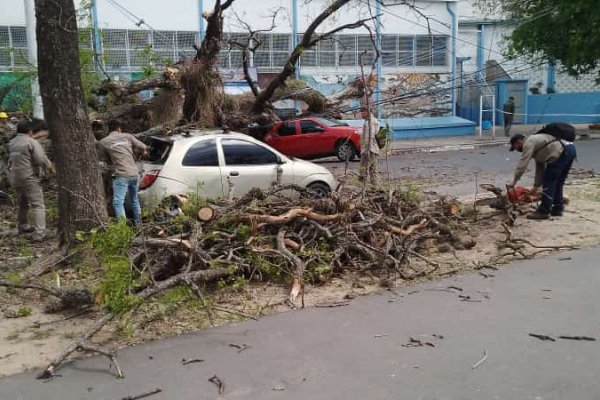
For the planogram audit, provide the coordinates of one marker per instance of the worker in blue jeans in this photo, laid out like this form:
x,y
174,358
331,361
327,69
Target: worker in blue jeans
x,y
553,182
553,158
119,148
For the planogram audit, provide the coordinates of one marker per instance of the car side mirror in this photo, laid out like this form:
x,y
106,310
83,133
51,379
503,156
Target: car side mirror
x,y
280,160
318,129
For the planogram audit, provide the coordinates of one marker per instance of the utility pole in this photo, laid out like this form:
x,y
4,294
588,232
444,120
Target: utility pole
x,y
201,28
38,109
294,44
96,35
379,60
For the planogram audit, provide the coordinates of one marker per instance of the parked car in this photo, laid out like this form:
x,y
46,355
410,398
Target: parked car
x,y
315,137
211,163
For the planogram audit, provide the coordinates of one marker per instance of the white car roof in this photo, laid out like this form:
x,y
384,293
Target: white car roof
x,y
212,133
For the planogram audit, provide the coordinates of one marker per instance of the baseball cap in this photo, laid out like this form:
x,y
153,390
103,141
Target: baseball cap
x,y
513,140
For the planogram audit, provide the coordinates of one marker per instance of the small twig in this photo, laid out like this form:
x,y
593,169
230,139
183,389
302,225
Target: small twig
x,y
68,317
7,355
235,312
84,346
219,382
240,347
142,395
381,336
422,257
413,342
191,361
478,363
331,305
586,338
542,337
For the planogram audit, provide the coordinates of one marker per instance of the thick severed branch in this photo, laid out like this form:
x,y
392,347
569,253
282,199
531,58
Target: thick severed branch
x,y
251,46
290,65
53,292
299,266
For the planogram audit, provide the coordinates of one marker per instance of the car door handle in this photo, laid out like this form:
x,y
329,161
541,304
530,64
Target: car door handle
x,y
234,173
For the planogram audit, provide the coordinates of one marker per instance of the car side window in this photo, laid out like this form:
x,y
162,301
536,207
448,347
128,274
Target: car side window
x,y
242,152
310,127
202,154
287,129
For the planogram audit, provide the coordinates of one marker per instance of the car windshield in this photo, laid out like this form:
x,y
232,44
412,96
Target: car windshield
x,y
330,122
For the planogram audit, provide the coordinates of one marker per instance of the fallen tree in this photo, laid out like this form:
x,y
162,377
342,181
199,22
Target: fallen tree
x,y
264,236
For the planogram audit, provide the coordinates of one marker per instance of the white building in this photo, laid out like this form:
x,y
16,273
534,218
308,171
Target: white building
x,y
439,42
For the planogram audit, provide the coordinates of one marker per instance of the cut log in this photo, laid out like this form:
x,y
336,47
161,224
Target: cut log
x,y
206,213
292,244
299,266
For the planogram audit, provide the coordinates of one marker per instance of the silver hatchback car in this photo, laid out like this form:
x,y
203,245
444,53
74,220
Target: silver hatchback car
x,y
214,164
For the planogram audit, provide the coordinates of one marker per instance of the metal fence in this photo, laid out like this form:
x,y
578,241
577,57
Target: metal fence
x,y
129,50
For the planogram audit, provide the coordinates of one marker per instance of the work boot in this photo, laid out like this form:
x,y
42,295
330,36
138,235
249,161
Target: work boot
x,y
556,212
538,215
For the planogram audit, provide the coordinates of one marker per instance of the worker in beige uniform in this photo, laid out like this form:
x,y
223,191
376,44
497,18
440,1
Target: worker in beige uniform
x,y
119,148
553,160
369,149
27,159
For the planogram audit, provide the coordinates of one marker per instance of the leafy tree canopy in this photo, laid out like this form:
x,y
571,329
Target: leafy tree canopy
x,y
564,30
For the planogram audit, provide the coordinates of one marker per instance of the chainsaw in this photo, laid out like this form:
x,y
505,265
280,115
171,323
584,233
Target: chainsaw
x,y
511,196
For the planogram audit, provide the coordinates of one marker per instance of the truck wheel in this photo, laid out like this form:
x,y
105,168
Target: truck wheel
x,y
345,151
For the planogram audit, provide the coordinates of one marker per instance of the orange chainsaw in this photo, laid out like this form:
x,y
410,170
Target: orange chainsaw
x,y
516,195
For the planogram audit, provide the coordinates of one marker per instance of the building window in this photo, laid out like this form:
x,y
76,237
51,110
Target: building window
x,y
440,51
327,53
432,51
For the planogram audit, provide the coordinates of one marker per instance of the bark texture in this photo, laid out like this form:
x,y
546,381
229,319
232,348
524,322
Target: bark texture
x,y
81,195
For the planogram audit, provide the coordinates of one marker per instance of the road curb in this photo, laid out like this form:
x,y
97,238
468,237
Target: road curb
x,y
450,147
467,146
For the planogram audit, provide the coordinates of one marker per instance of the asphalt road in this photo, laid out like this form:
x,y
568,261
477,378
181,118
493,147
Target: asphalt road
x,y
455,172
358,352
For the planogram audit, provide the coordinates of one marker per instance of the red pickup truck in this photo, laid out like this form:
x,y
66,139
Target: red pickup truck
x,y
314,137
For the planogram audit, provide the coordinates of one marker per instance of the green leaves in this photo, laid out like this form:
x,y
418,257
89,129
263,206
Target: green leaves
x,y
564,30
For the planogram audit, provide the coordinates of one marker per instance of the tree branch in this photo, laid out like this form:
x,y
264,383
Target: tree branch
x,y
290,66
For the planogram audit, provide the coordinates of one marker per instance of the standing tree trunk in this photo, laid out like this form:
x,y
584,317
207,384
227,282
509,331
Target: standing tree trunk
x,y
80,195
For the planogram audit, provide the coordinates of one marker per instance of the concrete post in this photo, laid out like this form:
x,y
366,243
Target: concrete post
x,y
294,44
379,60
201,28
38,110
451,6
96,35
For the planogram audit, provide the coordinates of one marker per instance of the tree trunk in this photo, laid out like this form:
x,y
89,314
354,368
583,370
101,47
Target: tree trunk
x,y
80,196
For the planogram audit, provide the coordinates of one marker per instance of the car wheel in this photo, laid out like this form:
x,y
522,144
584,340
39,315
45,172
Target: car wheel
x,y
318,190
345,151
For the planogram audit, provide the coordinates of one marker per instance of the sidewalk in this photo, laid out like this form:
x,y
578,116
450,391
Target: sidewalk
x,y
451,143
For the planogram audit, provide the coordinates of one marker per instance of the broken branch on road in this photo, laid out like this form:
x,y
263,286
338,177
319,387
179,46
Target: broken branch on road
x,y
219,382
142,395
478,363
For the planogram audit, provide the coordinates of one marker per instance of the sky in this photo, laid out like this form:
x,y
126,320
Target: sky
x,y
184,14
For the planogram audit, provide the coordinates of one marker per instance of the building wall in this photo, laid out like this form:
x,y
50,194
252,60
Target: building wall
x,y
415,49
